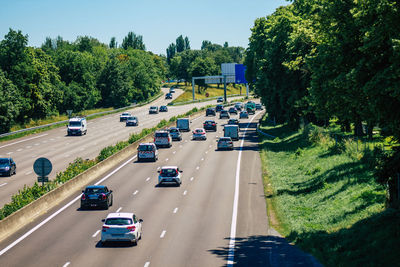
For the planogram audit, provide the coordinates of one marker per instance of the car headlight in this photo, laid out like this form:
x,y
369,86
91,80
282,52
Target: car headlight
x,y
6,168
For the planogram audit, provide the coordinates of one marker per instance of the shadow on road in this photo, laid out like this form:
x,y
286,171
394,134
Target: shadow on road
x,y
265,251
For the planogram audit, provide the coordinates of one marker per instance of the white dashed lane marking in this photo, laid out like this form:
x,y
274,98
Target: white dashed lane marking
x,y
202,158
27,173
148,179
3,184
97,232
197,167
185,192
191,178
174,152
119,209
175,210
163,234
19,150
9,153
66,264
134,193
147,264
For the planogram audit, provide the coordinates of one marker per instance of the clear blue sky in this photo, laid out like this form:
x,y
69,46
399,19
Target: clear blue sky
x,y
158,21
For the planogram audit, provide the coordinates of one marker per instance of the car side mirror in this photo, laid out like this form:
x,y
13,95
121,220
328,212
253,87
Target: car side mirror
x,y
103,220
111,191
83,191
180,171
158,171
140,220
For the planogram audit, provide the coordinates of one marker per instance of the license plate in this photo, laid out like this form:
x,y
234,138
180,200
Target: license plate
x,y
93,205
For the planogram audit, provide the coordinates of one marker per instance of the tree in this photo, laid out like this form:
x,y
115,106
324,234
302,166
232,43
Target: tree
x,y
187,43
180,44
171,51
113,43
10,104
226,45
202,67
133,41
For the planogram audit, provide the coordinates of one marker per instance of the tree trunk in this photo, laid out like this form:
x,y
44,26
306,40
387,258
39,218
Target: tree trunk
x,y
358,128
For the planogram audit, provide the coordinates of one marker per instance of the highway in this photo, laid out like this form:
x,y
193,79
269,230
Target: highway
x,y
61,149
215,218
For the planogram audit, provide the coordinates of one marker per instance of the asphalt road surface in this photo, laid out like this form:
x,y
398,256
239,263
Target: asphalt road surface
x,y
61,149
217,217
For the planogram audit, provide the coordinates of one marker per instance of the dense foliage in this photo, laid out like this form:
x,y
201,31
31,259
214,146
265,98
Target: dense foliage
x,y
39,82
317,60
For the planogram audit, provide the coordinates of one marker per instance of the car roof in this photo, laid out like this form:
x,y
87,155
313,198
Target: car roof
x,y
224,137
169,167
199,129
146,144
119,215
76,119
209,120
162,131
95,186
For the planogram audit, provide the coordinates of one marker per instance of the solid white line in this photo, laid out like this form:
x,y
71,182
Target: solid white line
x,y
23,140
148,179
185,192
66,264
135,192
231,252
4,250
175,210
97,232
163,234
147,264
119,209
3,184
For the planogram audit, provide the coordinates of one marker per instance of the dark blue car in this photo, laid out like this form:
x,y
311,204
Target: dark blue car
x,y
96,196
7,167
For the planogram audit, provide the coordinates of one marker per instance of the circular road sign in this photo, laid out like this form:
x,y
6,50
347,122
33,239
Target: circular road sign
x,y
42,167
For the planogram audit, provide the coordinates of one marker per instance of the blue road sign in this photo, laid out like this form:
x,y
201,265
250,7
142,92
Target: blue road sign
x,y
240,69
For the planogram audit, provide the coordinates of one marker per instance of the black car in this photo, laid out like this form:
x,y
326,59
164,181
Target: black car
x,y
96,196
210,111
258,107
163,109
7,166
210,125
218,108
168,96
233,121
224,114
233,110
220,99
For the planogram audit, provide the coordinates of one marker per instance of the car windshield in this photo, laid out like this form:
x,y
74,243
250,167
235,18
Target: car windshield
x,y
118,221
161,135
92,190
3,161
169,172
224,139
199,131
208,122
132,118
153,107
75,123
173,130
145,148
126,114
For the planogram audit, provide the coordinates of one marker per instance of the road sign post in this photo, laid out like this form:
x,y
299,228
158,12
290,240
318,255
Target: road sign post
x,y
42,167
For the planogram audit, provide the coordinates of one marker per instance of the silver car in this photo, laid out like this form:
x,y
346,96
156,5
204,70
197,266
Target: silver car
x,y
170,174
224,143
121,226
175,133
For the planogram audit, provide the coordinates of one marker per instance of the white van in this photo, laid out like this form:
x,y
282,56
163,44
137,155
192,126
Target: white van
x,y
147,151
232,131
183,124
77,126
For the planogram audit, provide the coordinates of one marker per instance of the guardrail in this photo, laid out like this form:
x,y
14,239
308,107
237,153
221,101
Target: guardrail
x,y
88,116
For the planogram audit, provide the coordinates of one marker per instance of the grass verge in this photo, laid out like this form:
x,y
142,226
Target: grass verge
x,y
323,197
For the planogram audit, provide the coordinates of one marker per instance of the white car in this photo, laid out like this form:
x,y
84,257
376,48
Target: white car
x,y
124,116
162,139
199,133
121,226
170,174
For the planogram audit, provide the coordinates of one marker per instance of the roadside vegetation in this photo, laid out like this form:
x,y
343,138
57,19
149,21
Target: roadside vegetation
x,y
322,195
30,193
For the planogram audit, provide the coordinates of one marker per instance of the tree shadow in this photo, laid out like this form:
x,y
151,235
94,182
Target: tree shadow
x,y
261,250
374,241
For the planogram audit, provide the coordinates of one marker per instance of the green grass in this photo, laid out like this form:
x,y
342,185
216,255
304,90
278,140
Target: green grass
x,y
212,91
324,198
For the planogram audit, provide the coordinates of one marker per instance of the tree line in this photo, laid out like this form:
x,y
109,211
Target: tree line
x,y
60,75
185,63
317,60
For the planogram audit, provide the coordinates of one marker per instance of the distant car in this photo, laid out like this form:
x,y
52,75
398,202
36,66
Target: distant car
x,y
233,110
224,114
175,133
168,96
7,166
124,116
224,143
162,139
218,108
163,109
199,133
170,174
258,107
243,115
220,99
121,226
233,121
171,90
153,110
210,111
239,106
147,151
210,125
96,196
132,121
